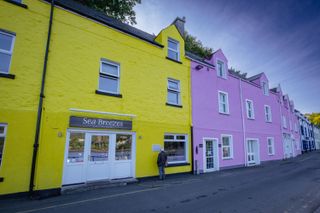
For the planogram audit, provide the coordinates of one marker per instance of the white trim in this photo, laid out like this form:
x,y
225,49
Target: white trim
x,y
101,112
10,52
216,142
224,71
227,102
252,109
185,140
173,50
265,114
272,145
4,134
258,153
230,145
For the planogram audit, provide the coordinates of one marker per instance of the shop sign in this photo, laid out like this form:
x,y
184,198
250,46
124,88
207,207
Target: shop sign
x,y
99,123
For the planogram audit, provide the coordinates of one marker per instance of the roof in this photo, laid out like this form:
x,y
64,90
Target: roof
x,y
198,58
238,74
107,20
252,78
274,89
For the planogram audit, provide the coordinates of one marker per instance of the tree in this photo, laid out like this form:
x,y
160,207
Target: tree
x,y
118,9
192,44
314,118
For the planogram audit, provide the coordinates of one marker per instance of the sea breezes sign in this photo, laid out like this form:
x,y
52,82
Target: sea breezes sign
x,y
99,123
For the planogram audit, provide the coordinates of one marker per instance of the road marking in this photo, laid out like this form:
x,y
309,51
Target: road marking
x,y
89,200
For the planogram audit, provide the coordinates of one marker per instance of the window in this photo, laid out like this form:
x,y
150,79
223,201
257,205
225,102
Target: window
x,y
176,148
290,125
3,132
267,113
271,146
265,88
173,49
227,146
221,72
284,121
76,147
173,92
109,77
123,147
223,102
296,127
250,110
6,49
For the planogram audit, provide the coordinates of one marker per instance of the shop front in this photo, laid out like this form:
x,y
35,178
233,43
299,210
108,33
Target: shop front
x,y
94,152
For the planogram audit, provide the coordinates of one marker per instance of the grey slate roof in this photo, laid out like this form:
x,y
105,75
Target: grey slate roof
x,y
274,89
252,78
198,58
104,19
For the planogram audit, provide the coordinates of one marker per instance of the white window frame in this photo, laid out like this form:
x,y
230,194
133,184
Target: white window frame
x,y
226,103
265,88
224,73
178,140
10,52
178,91
284,121
230,145
252,109
265,113
107,75
272,145
4,134
296,126
290,124
176,51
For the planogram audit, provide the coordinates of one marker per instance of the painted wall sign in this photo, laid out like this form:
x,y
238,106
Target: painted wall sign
x,y
100,123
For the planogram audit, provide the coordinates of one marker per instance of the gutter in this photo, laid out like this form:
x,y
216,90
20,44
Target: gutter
x,y
40,105
204,64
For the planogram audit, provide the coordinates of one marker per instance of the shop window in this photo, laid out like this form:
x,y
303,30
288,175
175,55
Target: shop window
x,y
99,148
76,147
123,147
6,49
176,148
109,80
227,147
3,133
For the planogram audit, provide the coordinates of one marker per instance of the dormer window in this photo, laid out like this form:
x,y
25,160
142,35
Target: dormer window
x,y
173,49
265,88
221,71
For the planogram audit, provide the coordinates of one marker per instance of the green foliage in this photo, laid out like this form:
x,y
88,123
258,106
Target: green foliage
x,y
314,118
118,9
192,44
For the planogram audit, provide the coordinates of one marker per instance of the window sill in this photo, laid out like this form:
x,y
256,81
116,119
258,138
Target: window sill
x,y
231,158
269,122
108,94
17,3
174,105
224,113
177,164
179,62
251,119
6,75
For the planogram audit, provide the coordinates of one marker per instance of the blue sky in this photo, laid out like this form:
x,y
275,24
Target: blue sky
x,y
278,37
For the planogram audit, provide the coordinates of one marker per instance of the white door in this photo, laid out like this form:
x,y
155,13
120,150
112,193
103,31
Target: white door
x,y
288,147
253,152
210,155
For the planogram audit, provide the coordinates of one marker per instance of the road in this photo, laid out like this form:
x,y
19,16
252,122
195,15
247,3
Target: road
x,y
281,186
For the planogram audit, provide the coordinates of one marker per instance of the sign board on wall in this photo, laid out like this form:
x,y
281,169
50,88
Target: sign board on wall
x,y
99,123
156,147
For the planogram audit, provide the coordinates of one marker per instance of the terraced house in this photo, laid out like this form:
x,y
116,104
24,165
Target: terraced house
x,y
85,97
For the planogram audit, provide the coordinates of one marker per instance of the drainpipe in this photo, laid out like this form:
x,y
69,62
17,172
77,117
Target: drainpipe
x,y
192,150
281,127
41,97
243,124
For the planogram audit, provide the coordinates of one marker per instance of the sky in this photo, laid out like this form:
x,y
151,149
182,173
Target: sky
x,y
278,37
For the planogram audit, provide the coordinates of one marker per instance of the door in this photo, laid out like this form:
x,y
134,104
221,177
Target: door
x,y
288,146
253,152
210,155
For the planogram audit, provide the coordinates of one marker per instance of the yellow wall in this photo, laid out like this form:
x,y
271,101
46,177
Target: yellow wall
x,y
77,46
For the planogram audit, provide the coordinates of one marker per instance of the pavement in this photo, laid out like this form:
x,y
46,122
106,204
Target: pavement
x,y
286,186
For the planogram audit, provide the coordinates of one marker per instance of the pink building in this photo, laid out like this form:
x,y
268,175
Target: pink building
x,y
236,120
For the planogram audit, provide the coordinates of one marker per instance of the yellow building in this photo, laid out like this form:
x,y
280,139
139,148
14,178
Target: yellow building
x,y
113,96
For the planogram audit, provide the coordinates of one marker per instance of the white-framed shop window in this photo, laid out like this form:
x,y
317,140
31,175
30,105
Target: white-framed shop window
x,y
6,50
223,102
3,134
221,69
173,49
109,77
267,113
270,141
250,109
176,147
227,146
173,92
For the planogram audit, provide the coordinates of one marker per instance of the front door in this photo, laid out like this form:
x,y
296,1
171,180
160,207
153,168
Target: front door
x,y
252,152
210,155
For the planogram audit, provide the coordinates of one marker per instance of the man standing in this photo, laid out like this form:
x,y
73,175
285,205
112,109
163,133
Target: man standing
x,y
162,162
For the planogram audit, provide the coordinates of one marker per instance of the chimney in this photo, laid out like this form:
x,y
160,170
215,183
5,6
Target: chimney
x,y
179,23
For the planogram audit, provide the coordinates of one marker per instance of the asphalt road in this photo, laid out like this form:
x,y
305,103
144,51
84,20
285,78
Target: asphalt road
x,y
282,186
